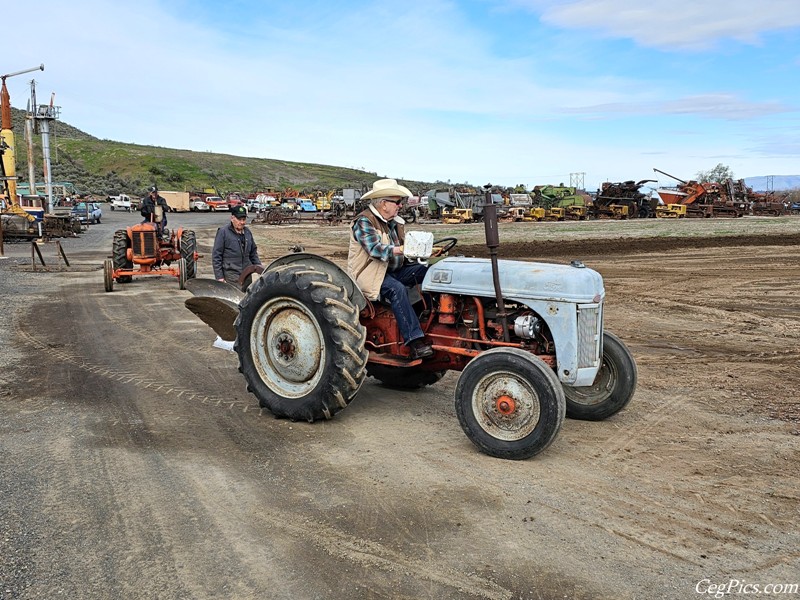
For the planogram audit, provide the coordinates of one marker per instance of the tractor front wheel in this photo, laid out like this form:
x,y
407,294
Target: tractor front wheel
x,y
182,273
108,274
612,389
509,403
300,343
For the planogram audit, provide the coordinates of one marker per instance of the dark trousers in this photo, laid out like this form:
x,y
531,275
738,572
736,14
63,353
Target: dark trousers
x,y
394,291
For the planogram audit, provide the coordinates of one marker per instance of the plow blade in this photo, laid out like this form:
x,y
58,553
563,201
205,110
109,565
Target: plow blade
x,y
216,304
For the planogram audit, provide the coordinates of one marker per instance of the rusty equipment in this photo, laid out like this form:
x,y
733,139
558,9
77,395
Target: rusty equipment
x,y
622,200
709,199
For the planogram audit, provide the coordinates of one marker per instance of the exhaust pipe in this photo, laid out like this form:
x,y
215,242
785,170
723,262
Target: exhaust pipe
x,y
492,242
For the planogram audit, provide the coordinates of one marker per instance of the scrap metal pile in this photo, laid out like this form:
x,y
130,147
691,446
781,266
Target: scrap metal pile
x,y
623,200
730,198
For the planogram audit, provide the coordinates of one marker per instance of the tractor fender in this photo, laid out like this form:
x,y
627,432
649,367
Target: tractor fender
x,y
336,273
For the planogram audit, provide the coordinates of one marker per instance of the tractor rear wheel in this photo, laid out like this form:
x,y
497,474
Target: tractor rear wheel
x,y
403,378
188,248
108,274
613,386
119,251
300,343
509,403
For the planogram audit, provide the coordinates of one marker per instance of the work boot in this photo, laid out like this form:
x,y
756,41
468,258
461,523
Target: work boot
x,y
419,349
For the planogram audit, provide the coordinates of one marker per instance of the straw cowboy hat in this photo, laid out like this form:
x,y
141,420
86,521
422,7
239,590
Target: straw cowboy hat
x,y
386,188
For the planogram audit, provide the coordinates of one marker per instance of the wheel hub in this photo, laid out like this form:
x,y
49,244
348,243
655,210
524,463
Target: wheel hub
x,y
505,405
285,347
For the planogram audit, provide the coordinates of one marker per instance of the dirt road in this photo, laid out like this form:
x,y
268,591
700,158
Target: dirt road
x,y
136,465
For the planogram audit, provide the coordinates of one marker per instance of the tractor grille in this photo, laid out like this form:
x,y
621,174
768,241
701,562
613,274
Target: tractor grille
x,y
590,328
144,243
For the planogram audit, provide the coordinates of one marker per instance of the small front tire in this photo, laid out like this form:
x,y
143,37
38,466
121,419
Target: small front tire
x,y
509,403
182,273
612,389
108,274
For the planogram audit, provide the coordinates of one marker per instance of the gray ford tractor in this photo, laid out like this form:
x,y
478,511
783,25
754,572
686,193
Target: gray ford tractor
x,y
527,338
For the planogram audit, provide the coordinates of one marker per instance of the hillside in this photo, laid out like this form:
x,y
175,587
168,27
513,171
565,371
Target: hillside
x,y
105,167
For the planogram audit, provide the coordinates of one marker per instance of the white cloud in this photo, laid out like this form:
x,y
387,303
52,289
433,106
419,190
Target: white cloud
x,y
669,24
417,91
714,106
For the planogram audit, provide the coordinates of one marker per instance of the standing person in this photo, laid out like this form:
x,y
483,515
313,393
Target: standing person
x,y
234,249
149,204
375,260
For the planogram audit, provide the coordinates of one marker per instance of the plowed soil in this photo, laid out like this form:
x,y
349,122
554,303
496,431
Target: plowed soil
x,y
135,464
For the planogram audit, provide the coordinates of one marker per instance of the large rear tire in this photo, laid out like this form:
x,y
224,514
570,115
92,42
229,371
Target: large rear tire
x,y
612,389
300,343
188,248
509,403
403,378
120,254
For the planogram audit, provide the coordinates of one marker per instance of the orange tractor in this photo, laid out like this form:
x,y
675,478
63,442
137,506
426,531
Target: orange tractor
x,y
148,249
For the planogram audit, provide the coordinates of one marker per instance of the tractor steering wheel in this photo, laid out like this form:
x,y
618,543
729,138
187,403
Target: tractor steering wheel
x,y
444,245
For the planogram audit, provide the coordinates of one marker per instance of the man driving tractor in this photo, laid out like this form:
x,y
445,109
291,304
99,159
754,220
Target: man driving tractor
x,y
150,207
376,262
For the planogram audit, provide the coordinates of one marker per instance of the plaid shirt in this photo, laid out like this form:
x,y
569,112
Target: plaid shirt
x,y
370,240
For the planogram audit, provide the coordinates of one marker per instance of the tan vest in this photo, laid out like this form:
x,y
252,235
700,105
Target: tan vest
x,y
368,271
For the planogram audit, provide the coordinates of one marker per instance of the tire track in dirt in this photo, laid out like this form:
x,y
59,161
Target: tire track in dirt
x,y
139,380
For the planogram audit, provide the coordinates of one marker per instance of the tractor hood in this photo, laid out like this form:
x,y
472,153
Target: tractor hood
x,y
518,280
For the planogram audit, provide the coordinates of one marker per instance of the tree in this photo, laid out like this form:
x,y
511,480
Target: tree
x,y
718,174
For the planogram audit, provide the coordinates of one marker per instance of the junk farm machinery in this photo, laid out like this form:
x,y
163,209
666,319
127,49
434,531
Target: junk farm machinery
x,y
729,198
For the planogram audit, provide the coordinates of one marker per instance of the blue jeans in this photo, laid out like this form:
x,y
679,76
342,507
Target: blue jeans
x,y
394,291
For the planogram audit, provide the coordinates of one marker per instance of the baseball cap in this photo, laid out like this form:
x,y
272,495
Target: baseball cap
x,y
239,211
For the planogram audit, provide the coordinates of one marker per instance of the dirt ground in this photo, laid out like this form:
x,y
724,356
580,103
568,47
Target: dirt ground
x,y
135,464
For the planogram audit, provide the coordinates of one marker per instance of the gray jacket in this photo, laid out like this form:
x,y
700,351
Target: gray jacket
x,y
232,253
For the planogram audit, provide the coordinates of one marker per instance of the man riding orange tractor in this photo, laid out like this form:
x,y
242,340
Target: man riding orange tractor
x,y
149,249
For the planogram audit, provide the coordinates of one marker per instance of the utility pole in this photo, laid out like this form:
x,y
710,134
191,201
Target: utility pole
x,y
576,180
42,115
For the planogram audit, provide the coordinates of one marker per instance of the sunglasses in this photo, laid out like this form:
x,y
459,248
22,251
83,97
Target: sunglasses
x,y
394,201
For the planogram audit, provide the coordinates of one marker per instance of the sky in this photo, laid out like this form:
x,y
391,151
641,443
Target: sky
x,y
505,92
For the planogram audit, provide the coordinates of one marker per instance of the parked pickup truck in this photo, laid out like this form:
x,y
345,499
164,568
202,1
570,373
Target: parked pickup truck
x,y
121,202
197,205
216,203
87,212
